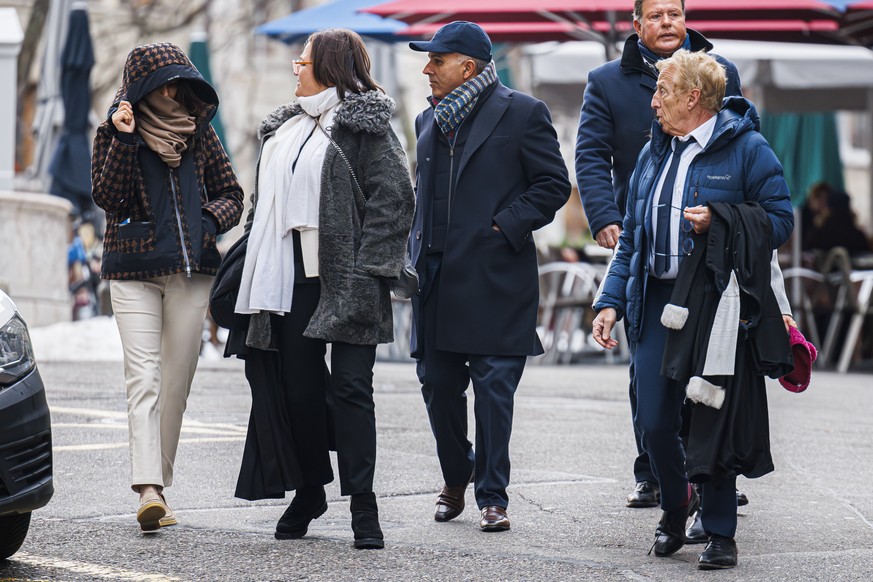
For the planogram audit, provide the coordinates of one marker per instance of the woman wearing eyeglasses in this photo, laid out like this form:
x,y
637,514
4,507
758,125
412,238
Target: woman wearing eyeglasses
x,y
330,216
167,186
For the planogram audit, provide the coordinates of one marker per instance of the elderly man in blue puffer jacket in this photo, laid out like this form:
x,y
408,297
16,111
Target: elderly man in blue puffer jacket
x,y
702,150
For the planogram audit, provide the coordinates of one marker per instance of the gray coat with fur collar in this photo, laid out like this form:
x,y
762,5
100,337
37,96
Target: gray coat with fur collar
x,y
355,257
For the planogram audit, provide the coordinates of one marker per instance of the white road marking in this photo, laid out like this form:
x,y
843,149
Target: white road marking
x,y
106,446
188,429
222,432
97,413
94,412
104,572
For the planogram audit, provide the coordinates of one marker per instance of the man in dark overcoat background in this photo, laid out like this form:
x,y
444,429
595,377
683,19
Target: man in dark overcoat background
x,y
614,124
489,173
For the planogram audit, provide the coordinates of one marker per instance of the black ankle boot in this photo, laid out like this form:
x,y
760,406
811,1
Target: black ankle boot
x,y
308,504
365,522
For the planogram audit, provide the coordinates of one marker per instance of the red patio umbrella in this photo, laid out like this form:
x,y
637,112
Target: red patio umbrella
x,y
424,12
857,23
519,31
819,31
609,21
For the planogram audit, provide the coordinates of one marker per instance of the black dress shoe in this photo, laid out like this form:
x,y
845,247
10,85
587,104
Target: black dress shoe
x,y
720,554
695,534
741,499
494,518
365,522
670,533
308,504
645,494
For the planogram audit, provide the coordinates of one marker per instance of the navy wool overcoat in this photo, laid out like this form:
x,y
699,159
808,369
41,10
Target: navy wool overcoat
x,y
511,174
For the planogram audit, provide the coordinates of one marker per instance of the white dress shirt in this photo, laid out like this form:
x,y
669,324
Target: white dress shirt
x,y
701,136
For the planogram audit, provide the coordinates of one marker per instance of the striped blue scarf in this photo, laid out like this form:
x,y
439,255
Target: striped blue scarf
x,y
454,107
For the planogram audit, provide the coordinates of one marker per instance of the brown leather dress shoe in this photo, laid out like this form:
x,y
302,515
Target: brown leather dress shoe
x,y
494,518
450,503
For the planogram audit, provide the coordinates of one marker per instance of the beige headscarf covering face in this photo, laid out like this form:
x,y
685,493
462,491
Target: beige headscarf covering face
x,y
165,125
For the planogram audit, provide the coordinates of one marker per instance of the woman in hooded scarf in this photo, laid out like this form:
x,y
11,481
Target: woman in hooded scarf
x,y
167,186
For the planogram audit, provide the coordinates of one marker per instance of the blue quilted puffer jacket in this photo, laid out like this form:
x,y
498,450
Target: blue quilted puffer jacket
x,y
736,165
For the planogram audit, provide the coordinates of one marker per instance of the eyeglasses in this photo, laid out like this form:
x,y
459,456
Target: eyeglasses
x,y
298,64
686,245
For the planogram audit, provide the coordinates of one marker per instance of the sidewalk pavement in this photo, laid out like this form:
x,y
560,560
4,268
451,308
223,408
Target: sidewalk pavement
x,y
572,449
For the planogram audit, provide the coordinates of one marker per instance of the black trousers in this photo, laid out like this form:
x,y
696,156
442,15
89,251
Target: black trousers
x,y
301,410
642,464
659,401
659,413
445,376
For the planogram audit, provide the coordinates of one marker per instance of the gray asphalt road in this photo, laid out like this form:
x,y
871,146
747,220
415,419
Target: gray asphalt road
x,y
572,448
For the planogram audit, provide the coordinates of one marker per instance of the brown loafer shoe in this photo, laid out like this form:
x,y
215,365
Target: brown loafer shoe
x,y
150,513
450,503
169,518
494,518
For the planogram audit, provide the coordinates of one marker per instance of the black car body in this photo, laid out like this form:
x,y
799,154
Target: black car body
x,y
25,432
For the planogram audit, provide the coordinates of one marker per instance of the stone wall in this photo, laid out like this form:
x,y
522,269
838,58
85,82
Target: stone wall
x,y
34,233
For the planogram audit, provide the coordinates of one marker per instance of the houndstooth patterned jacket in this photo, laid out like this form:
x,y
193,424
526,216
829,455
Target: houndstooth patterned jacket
x,y
162,220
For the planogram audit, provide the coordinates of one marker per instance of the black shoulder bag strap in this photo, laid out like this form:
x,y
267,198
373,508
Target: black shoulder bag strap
x,y
405,285
360,197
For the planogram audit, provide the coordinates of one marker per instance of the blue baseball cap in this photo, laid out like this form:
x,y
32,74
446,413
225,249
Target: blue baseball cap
x,y
461,37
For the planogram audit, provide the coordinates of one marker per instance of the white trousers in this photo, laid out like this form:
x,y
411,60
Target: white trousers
x,y
160,321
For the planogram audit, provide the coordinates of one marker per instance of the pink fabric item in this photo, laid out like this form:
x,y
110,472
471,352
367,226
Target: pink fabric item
x,y
804,355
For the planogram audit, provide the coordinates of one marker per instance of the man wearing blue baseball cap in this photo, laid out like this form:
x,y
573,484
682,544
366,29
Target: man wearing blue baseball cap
x,y
489,173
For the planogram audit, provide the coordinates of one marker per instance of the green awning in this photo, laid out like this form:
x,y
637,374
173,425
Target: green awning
x,y
808,147
199,55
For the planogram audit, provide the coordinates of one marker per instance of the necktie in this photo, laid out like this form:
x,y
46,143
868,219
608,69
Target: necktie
x,y
665,208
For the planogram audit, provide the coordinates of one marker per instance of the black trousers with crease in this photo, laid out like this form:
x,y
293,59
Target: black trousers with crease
x,y
301,410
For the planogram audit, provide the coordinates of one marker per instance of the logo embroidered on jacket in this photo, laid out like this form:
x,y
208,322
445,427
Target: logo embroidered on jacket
x,y
724,177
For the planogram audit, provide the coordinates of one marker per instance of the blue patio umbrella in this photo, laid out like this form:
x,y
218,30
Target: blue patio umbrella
x,y
840,4
338,14
70,167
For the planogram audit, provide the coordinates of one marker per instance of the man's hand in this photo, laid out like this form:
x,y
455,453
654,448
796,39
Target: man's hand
x,y
700,218
123,118
607,237
789,322
602,327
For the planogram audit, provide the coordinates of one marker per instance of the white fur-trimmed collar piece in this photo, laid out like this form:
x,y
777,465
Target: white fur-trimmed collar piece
x,y
704,392
674,316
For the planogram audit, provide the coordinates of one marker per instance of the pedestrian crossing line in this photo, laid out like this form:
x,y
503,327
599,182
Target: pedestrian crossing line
x,y
93,412
119,426
95,570
118,415
124,445
187,422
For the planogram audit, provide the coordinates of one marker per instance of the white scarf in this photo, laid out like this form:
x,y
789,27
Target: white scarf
x,y
288,198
